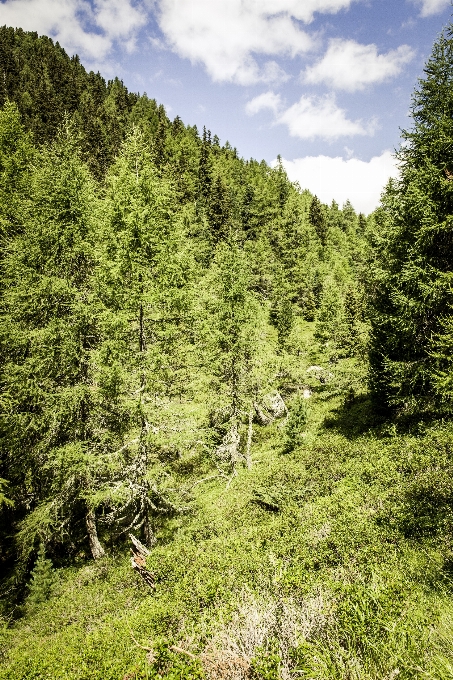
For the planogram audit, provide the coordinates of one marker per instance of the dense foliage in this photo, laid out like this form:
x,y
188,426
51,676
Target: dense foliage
x,y
188,347
130,291
411,284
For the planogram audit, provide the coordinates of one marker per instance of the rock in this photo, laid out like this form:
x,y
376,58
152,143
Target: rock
x,y
275,404
320,373
261,415
228,451
315,369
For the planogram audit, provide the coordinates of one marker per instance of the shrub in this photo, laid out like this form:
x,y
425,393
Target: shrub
x,y
43,579
295,426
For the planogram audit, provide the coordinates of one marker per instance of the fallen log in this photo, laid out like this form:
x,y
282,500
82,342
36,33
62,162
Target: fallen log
x,y
139,547
138,561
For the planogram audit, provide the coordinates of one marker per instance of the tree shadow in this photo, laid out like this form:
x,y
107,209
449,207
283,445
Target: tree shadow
x,y
355,417
359,415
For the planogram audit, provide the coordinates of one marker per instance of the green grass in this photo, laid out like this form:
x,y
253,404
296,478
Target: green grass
x,y
359,550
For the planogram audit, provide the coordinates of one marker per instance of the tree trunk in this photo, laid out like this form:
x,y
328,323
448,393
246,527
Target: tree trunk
x,y
96,548
248,458
150,539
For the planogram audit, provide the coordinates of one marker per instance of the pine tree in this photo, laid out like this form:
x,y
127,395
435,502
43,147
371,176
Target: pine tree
x,y
353,316
42,580
296,424
246,211
361,223
281,182
219,210
229,319
49,332
16,154
205,170
317,220
330,320
159,141
143,280
349,217
411,285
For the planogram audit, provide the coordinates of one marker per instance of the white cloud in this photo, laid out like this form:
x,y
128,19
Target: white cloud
x,y
267,100
347,65
225,34
273,73
429,7
338,179
313,117
76,24
303,11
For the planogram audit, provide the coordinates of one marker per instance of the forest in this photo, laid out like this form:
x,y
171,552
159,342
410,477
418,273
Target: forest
x,y
225,411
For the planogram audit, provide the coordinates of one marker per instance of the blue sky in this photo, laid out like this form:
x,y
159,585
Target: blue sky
x,y
324,83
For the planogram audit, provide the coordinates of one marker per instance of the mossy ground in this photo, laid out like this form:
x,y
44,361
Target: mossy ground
x,y
361,522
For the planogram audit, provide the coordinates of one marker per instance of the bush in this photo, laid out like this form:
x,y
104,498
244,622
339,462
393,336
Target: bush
x,y
43,579
295,426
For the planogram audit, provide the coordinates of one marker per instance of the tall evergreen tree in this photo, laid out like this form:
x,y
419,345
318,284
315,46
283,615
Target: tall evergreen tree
x,y
229,320
50,330
317,220
205,169
219,209
16,153
143,279
411,287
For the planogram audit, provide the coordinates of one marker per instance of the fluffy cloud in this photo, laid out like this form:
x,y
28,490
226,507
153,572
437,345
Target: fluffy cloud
x,y
88,29
339,179
267,100
313,117
429,7
347,65
224,34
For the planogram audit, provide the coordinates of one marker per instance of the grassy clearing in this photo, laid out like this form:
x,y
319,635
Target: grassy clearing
x,y
333,561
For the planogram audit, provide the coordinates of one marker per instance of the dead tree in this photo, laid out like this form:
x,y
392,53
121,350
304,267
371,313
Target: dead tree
x,y
96,548
138,561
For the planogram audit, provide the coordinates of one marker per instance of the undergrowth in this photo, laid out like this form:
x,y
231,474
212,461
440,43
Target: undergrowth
x,y
331,557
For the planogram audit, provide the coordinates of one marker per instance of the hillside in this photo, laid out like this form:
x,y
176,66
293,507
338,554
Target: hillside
x,y
200,354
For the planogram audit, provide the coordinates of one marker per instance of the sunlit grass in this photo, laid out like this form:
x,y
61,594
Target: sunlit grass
x,y
344,550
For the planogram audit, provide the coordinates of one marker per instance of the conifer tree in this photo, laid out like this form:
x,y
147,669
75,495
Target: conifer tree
x,y
16,153
349,217
361,223
142,280
229,319
205,169
410,287
159,141
317,220
281,182
219,210
330,321
50,330
353,319
246,211
281,313
42,580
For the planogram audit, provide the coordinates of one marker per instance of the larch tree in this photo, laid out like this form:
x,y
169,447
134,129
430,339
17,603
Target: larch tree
x,y
143,284
318,220
49,332
229,322
16,154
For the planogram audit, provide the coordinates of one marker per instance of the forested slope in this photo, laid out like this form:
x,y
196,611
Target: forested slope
x,y
184,349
